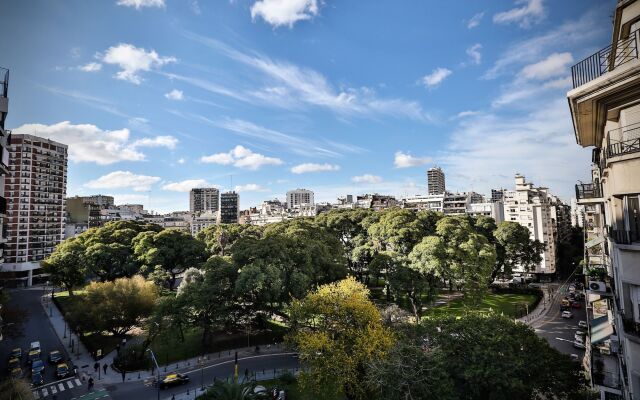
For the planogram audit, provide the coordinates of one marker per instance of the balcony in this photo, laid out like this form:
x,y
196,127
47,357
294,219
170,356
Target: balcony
x,y
627,142
622,236
589,191
605,60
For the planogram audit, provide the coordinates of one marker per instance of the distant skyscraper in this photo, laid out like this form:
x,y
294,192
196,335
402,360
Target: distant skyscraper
x,y
435,181
229,207
299,197
204,199
36,191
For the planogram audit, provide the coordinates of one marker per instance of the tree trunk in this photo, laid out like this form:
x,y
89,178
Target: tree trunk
x,y
70,290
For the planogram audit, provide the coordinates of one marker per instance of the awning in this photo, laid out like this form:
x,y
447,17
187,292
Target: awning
x,y
593,242
601,329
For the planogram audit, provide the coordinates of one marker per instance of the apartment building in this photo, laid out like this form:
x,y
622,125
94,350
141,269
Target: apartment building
x,y
298,197
35,192
464,203
577,213
534,208
83,212
5,141
202,220
605,111
204,199
435,181
229,208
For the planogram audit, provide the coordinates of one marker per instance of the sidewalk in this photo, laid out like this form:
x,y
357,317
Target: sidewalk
x,y
81,357
548,297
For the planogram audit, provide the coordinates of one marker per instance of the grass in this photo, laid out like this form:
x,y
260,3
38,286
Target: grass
x,y
508,304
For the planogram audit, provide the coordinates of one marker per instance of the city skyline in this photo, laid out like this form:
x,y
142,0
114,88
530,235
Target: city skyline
x,y
189,94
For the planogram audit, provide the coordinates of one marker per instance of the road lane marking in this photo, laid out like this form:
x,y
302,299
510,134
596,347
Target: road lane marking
x,y
70,384
61,387
45,393
53,389
78,383
36,394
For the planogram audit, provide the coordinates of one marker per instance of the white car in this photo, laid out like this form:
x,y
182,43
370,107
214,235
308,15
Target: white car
x,y
567,314
582,324
578,345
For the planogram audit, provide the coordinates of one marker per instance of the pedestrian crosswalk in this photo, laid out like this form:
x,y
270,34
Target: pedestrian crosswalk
x,y
54,388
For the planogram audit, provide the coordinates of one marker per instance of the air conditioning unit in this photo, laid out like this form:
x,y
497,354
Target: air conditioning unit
x,y
597,286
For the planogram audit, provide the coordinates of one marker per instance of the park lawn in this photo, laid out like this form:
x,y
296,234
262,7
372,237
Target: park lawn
x,y
507,304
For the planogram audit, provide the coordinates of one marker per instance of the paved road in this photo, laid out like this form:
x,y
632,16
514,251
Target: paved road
x,y
559,331
36,327
260,364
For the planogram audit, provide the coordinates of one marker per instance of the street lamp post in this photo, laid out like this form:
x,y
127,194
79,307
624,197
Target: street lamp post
x,y
153,357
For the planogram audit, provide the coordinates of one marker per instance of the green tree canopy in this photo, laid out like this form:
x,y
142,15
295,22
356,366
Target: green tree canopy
x,y
65,264
220,238
515,248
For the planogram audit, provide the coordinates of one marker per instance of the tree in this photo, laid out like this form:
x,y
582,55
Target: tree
x,y
515,248
64,265
172,250
223,390
120,305
338,331
469,257
15,389
492,357
220,238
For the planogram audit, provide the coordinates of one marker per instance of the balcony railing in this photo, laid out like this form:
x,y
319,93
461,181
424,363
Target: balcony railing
x,y
588,191
605,60
627,140
622,236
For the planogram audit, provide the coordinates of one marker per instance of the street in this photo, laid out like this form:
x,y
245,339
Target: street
x,y
559,331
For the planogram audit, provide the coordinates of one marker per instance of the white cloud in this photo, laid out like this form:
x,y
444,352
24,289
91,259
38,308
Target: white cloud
x,y
123,179
293,86
195,7
436,77
554,65
133,60
560,83
138,4
467,113
186,185
284,12
91,67
130,198
367,178
406,160
475,20
250,187
175,94
313,167
241,157
181,160
531,12
169,142
474,53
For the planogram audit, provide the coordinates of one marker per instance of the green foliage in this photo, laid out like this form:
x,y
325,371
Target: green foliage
x,y
220,238
65,265
172,250
515,248
337,330
223,390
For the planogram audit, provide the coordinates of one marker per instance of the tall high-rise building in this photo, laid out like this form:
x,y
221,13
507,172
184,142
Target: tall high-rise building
x,y
435,181
5,141
497,195
35,190
229,207
298,197
204,199
531,207
606,117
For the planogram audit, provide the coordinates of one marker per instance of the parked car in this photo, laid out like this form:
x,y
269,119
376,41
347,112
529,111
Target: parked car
x,y
576,305
37,367
567,314
37,380
575,357
62,371
173,380
33,356
565,302
16,353
582,324
565,308
13,363
578,338
578,345
34,346
16,373
55,357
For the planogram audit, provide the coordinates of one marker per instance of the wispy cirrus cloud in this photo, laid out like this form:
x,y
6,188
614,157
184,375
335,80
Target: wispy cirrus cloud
x,y
475,20
436,77
186,185
313,167
531,12
474,53
138,4
124,179
175,94
250,187
366,178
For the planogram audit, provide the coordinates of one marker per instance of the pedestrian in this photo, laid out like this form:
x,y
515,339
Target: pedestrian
x,y
96,366
90,383
123,375
104,368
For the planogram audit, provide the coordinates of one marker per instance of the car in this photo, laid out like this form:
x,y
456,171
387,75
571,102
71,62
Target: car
x,y
34,346
582,324
55,357
578,345
16,353
578,338
16,373
565,308
575,357
174,380
576,305
37,367
565,302
62,371
567,314
13,363
37,380
33,356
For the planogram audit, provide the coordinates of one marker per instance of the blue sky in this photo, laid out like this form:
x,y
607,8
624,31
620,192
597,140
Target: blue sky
x,y
338,96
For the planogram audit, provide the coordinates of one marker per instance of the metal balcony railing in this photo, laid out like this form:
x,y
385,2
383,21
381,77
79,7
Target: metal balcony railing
x,y
588,191
627,140
605,60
